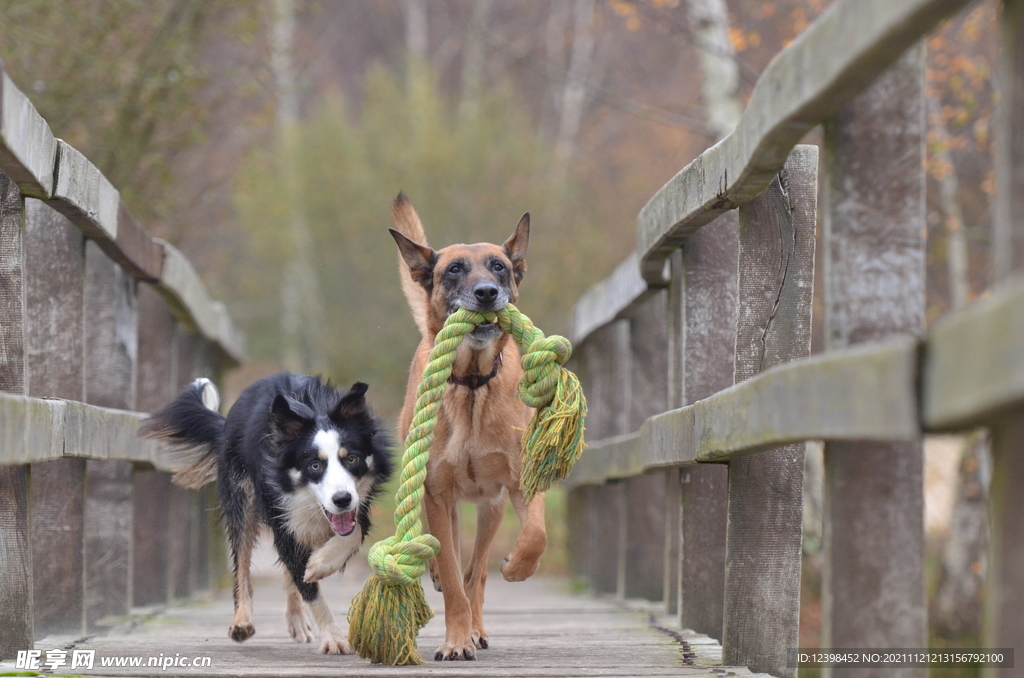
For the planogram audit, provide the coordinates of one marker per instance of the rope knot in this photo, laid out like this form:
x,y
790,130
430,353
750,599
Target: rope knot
x,y
542,367
402,561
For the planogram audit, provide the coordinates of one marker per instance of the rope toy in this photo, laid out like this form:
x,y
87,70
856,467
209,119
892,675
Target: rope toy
x,y
386,616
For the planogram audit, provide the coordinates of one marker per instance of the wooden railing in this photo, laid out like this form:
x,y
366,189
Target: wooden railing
x,y
97,320
695,357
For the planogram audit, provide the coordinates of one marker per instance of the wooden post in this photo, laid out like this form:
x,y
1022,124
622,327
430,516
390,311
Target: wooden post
x,y
15,541
606,370
154,388
110,353
55,339
1004,598
180,501
709,265
644,544
873,582
773,326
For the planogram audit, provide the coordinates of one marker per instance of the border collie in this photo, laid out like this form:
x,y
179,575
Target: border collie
x,y
297,455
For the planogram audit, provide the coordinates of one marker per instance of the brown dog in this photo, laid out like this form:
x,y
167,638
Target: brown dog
x,y
476,452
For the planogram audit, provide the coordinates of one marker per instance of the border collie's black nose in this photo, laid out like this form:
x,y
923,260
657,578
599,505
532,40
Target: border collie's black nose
x,y
485,293
342,500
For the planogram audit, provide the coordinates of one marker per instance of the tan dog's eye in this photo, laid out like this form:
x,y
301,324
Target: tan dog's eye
x,y
497,267
455,268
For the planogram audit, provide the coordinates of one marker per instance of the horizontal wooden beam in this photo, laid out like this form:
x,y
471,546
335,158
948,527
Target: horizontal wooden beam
x,y
837,57
51,169
967,371
84,195
974,362
37,430
858,394
608,299
189,300
27,147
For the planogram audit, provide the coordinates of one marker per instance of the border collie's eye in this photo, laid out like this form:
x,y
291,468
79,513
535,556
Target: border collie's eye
x,y
352,459
315,466
455,268
497,267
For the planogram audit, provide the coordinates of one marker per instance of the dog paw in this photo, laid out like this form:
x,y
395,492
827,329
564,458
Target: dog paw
x,y
480,639
299,625
241,632
333,641
518,569
317,568
455,651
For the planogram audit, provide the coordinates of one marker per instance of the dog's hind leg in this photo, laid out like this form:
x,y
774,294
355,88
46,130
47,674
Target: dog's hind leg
x,y
488,520
242,528
296,614
532,540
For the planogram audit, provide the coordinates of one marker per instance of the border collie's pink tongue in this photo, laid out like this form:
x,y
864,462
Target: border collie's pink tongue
x,y
343,523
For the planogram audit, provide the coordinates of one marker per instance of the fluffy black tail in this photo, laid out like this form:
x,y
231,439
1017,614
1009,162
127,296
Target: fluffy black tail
x,y
191,422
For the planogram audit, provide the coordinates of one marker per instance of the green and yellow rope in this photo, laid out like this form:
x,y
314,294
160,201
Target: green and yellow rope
x,y
386,616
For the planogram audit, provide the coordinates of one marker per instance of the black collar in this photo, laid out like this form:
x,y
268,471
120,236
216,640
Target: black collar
x,y
475,381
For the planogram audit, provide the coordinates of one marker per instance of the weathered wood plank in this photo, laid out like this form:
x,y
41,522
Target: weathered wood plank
x,y
861,393
36,430
837,57
645,495
874,288
1003,616
111,348
191,303
606,361
608,299
55,338
15,562
28,150
973,368
140,256
111,339
709,270
84,195
776,272
538,629
12,288
15,547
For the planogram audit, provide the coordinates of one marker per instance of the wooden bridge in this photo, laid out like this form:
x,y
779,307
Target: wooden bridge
x,y
695,357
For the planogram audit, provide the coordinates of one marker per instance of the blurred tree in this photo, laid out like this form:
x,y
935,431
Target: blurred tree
x,y
470,181
120,81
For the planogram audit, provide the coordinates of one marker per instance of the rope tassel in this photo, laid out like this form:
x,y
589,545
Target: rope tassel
x,y
386,616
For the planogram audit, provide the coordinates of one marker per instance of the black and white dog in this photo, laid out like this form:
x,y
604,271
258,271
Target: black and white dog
x,y
294,454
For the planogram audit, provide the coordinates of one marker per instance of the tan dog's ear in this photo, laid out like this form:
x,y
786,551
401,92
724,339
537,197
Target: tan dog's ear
x,y
419,258
516,245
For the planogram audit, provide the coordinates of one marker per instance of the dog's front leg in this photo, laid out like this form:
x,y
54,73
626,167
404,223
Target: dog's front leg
x,y
333,556
458,639
296,614
532,540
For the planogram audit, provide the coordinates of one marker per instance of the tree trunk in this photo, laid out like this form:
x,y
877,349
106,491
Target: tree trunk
x,y
709,20
574,93
473,57
301,301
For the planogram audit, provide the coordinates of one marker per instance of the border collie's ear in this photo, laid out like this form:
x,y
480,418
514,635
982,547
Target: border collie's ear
x,y
353,403
419,258
290,415
516,245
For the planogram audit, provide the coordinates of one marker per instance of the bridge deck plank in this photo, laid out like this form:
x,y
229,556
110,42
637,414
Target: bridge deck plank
x,y
538,628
